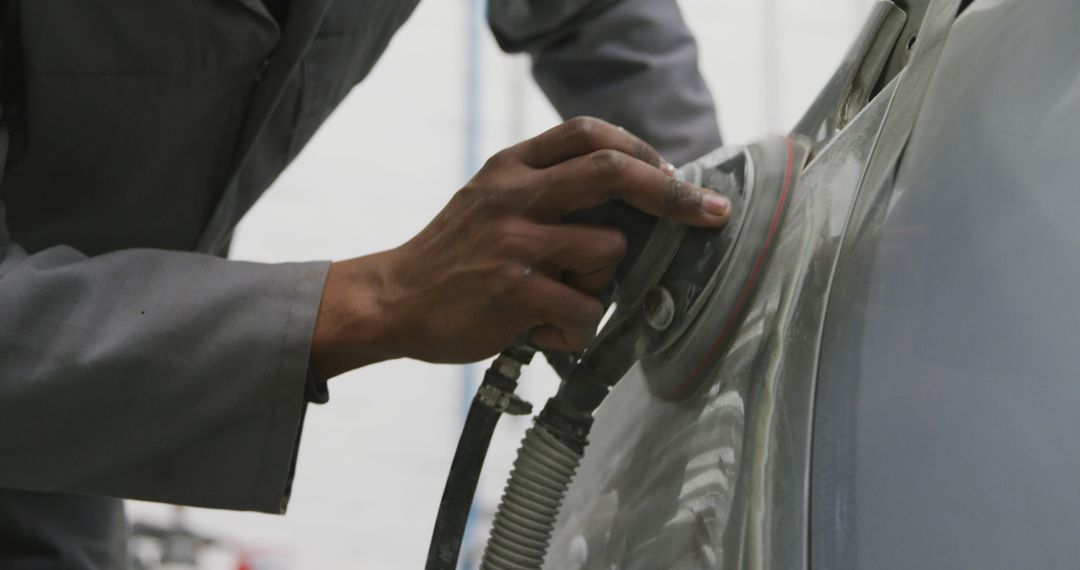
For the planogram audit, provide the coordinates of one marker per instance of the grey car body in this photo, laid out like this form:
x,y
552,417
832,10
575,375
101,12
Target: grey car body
x,y
904,390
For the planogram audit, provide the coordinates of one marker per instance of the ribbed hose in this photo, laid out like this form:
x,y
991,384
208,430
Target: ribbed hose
x,y
530,503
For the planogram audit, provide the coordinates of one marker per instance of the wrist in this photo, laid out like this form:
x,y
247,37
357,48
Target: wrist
x,y
354,327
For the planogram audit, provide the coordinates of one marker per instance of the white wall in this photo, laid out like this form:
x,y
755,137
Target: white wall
x,y
373,461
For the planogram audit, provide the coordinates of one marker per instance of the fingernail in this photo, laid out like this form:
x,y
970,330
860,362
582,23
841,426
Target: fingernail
x,y
715,204
667,168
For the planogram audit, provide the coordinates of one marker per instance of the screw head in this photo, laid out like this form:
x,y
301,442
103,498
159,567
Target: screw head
x,y
659,307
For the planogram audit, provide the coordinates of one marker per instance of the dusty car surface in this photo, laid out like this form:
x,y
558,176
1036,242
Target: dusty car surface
x,y
904,391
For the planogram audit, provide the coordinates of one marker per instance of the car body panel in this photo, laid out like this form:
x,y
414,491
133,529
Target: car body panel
x,y
695,484
945,427
660,479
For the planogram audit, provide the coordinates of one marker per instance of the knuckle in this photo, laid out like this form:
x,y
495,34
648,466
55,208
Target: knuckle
x,y
510,237
609,162
471,199
593,311
471,188
513,274
508,280
581,123
587,310
616,244
586,128
678,197
497,160
644,152
493,188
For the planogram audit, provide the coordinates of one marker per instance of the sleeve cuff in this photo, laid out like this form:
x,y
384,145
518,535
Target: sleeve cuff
x,y
274,486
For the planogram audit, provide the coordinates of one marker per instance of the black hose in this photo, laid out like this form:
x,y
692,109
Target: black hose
x,y
495,396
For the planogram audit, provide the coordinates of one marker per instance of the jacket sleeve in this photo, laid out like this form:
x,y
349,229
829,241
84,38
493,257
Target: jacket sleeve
x,y
630,62
155,375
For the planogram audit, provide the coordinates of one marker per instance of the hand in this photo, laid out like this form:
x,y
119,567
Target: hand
x,y
499,260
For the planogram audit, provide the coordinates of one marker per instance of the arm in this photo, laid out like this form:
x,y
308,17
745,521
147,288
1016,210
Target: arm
x,y
630,62
154,375
178,377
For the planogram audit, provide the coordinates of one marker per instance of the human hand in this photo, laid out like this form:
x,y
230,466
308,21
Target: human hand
x,y
499,260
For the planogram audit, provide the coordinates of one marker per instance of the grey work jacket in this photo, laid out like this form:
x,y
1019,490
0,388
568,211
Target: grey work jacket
x,y
134,360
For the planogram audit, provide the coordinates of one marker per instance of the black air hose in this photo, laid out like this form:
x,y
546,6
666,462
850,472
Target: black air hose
x,y
494,397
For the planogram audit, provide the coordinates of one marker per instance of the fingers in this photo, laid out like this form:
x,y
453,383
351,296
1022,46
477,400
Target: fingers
x,y
585,161
549,337
586,256
592,283
569,317
592,179
581,136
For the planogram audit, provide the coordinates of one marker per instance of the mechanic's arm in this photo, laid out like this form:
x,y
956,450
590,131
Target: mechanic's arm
x,y
178,377
630,62
155,375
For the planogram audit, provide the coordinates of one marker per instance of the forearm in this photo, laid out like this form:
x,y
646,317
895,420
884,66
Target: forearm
x,y
155,375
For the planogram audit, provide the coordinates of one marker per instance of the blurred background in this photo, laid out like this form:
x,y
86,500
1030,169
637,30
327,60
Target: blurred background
x,y
373,461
